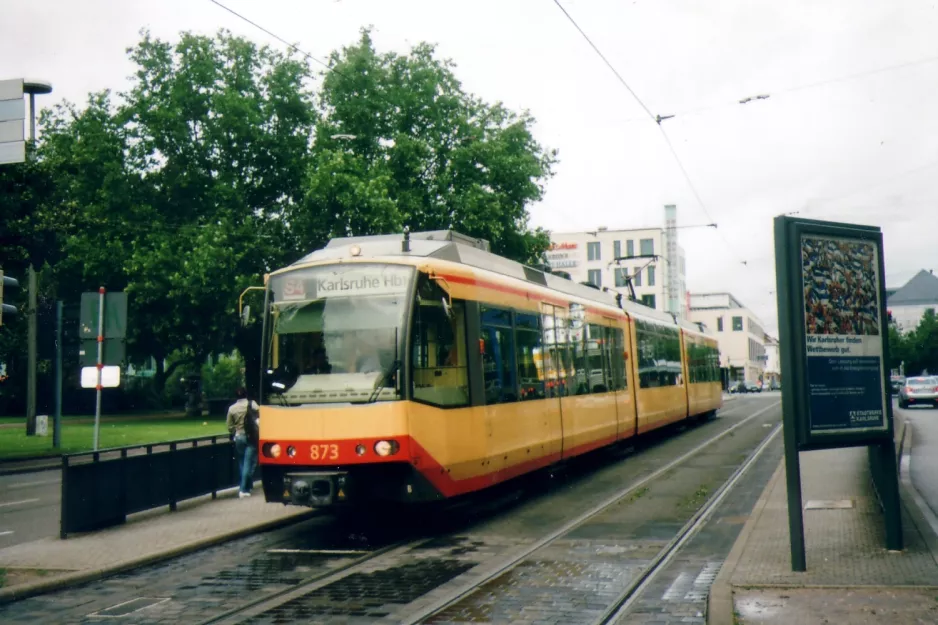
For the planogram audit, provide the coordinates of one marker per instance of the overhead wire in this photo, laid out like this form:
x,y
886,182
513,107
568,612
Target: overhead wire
x,y
655,118
794,88
292,46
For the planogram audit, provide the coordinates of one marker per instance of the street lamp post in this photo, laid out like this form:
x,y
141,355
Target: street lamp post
x,y
32,87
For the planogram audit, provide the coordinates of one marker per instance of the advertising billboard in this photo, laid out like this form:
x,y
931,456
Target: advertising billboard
x,y
842,329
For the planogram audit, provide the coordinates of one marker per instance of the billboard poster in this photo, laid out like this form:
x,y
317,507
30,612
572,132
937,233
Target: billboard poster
x,y
842,321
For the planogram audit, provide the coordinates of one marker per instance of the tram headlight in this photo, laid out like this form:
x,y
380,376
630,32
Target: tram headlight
x,y
387,448
291,451
271,450
360,449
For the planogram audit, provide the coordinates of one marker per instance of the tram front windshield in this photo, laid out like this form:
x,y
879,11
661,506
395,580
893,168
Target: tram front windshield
x,y
335,334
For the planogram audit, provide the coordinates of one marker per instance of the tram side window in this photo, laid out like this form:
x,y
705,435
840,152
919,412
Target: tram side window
x,y
672,354
693,361
577,337
659,355
440,372
600,376
529,356
703,363
617,341
551,359
498,356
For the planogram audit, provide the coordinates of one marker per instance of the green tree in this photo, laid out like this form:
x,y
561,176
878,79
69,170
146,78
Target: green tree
x,y
423,154
219,164
923,345
181,190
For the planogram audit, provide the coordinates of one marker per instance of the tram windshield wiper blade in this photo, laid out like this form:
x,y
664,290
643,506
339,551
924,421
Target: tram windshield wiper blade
x,y
382,382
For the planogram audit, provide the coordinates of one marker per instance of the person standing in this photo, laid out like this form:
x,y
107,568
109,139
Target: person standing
x,y
242,425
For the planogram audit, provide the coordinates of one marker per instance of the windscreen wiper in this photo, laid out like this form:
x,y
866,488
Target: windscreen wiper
x,y
383,381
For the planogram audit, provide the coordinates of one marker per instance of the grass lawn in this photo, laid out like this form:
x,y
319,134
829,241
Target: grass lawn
x,y
79,437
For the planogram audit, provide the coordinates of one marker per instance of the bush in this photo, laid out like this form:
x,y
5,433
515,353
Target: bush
x,y
224,378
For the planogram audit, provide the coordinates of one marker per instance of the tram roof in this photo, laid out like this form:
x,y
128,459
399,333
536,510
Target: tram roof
x,y
455,247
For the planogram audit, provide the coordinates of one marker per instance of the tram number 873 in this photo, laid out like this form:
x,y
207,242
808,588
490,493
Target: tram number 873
x,y
324,452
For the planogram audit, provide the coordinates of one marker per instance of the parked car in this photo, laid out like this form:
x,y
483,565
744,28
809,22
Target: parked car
x,y
752,387
897,382
921,390
738,387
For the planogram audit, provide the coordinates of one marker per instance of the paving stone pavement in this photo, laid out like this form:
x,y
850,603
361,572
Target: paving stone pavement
x,y
197,522
679,594
199,585
844,547
211,581
850,577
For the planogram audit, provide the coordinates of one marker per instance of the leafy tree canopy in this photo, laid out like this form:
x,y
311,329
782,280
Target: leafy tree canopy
x,y
221,163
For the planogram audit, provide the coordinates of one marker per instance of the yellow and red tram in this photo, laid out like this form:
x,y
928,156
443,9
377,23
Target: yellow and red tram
x,y
423,367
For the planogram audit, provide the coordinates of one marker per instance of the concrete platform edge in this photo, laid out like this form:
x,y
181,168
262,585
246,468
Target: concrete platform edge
x,y
720,605
22,591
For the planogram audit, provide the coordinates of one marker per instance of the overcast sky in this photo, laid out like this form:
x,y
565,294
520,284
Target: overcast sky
x,y
836,140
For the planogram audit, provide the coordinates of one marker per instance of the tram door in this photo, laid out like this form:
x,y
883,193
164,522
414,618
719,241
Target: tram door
x,y
556,365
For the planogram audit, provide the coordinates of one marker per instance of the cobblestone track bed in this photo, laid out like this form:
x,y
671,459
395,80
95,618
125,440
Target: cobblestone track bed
x,y
575,579
211,583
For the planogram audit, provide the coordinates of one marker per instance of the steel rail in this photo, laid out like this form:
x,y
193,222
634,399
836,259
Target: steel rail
x,y
508,564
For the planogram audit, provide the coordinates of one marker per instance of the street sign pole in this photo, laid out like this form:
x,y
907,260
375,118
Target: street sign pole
x,y
97,407
786,336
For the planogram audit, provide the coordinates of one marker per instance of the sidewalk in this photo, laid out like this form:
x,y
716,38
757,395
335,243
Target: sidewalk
x,y
147,537
851,578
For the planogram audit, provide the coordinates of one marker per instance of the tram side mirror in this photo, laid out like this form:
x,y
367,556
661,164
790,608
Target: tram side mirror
x,y
447,308
245,316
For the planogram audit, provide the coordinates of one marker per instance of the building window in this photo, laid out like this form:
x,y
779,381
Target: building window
x,y
647,247
596,276
617,249
622,275
637,278
592,251
737,324
648,300
651,276
719,324
630,248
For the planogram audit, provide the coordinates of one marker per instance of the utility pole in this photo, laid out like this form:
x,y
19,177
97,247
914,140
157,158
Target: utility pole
x,y
31,354
32,87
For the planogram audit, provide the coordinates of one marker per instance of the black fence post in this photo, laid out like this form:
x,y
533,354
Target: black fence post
x,y
172,480
63,513
214,467
123,493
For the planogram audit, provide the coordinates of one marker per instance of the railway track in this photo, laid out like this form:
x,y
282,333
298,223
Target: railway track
x,y
455,582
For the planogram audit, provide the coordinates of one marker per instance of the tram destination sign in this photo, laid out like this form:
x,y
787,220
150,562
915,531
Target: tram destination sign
x,y
833,332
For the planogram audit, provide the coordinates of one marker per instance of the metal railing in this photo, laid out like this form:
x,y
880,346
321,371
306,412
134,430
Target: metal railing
x,y
100,488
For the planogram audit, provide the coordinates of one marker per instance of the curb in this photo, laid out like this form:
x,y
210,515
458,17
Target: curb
x,y
35,458
720,608
22,591
919,511
36,469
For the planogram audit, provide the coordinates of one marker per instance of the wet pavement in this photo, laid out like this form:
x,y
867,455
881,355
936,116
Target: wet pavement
x,y
569,581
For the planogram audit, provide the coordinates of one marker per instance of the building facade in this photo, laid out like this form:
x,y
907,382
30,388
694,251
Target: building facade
x,y
908,303
743,355
592,257
773,363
